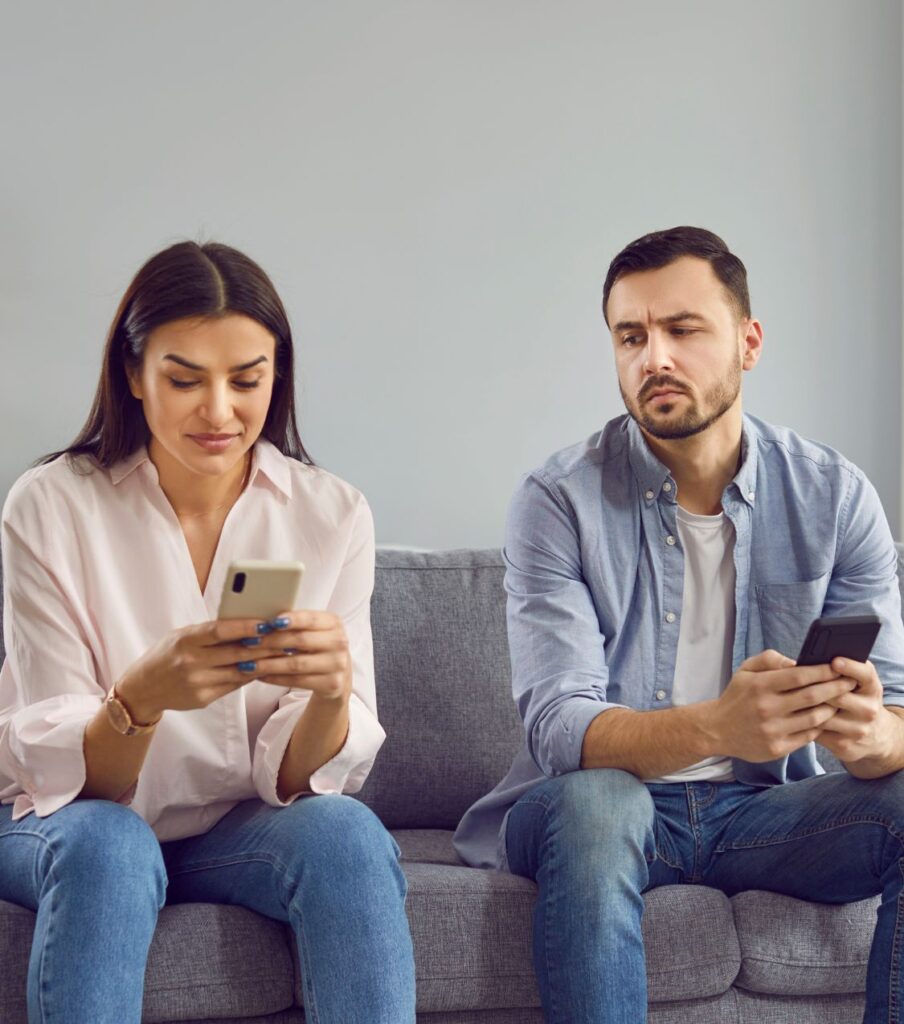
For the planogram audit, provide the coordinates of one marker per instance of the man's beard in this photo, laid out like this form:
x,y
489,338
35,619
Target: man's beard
x,y
720,398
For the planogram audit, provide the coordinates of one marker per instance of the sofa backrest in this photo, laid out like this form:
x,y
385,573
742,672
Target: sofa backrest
x,y
443,684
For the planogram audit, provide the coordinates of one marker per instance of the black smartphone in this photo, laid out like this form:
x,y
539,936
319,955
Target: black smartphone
x,y
850,636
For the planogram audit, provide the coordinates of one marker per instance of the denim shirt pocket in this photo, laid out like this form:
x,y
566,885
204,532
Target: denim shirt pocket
x,y
786,611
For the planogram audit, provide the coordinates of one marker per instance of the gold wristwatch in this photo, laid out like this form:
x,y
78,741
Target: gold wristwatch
x,y
121,720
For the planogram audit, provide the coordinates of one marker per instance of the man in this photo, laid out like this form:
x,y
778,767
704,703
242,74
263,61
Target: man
x,y
661,577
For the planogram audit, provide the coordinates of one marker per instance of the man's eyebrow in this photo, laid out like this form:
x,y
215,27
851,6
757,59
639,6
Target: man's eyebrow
x,y
673,318
232,369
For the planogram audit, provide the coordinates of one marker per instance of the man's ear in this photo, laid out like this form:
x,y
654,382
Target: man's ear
x,y
753,344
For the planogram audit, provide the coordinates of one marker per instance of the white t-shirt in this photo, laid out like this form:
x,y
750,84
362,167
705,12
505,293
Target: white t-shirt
x,y
706,632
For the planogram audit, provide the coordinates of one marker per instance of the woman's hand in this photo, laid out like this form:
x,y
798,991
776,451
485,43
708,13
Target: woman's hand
x,y
308,650
192,667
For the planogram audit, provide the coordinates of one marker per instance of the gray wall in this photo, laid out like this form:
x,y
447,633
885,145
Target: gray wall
x,y
437,189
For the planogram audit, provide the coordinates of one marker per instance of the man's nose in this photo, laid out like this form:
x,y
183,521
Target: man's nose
x,y
658,354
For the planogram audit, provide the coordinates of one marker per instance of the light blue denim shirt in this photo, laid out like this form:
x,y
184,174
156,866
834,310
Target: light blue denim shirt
x,y
595,577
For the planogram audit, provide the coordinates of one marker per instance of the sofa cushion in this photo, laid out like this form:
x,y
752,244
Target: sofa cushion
x,y
205,962
17,926
763,1009
443,685
795,948
472,934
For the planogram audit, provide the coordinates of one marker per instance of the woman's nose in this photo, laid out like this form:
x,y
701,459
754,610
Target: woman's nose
x,y
217,406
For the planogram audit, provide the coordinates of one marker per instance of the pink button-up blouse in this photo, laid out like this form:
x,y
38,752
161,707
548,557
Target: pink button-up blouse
x,y
96,569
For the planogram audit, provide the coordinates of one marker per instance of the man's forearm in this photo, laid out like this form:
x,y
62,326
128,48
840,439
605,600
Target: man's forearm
x,y
649,743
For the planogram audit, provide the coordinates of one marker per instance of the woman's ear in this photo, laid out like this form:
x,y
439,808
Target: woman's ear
x,y
133,376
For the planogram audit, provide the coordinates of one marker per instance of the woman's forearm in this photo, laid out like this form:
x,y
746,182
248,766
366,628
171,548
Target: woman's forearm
x,y
318,737
112,761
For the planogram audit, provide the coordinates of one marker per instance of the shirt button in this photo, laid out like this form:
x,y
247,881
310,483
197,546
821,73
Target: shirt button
x,y
649,495
670,540
669,616
660,694
751,495
666,487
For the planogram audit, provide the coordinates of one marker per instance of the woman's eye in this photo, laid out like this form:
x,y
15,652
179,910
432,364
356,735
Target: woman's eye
x,y
182,385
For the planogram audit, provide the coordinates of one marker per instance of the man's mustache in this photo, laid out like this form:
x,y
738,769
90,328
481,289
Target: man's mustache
x,y
657,384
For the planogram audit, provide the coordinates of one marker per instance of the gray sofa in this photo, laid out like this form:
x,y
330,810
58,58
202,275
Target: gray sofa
x,y
443,691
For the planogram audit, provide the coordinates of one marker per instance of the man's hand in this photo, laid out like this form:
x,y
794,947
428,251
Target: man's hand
x,y
771,707
863,734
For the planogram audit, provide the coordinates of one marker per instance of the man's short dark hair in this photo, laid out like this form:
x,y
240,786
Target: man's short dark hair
x,y
660,248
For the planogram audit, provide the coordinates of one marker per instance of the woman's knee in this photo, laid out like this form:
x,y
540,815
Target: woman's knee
x,y
335,829
105,844
344,853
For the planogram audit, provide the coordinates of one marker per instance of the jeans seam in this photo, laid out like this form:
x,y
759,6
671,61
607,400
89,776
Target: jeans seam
x,y
304,963
694,822
42,1009
546,917
893,976
827,827
225,862
665,860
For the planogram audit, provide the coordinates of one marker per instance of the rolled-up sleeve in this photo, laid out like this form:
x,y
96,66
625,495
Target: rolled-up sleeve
x,y
350,600
559,672
865,582
48,684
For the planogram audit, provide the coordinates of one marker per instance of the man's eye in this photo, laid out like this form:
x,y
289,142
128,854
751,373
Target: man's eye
x,y
630,339
680,332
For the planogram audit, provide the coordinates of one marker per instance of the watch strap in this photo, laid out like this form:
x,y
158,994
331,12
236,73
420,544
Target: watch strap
x,y
121,718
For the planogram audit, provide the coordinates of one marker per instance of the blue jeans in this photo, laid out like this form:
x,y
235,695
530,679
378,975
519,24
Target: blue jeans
x,y
97,876
595,840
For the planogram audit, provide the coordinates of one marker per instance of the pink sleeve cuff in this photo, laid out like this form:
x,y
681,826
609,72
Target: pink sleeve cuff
x,y
44,753
345,773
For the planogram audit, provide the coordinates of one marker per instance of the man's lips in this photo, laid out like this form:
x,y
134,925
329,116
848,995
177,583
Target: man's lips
x,y
663,393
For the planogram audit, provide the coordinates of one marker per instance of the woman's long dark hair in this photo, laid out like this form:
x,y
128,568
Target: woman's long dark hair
x,y
185,280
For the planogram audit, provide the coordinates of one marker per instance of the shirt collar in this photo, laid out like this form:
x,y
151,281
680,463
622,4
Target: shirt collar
x,y
266,458
651,474
269,460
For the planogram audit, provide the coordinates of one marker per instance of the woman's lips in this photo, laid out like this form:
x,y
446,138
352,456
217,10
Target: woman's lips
x,y
213,444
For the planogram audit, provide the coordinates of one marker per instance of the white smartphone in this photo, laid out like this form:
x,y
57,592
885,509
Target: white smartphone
x,y
257,589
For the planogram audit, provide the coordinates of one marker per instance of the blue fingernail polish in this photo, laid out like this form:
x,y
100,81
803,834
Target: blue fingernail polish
x,y
247,666
250,641
280,623
264,628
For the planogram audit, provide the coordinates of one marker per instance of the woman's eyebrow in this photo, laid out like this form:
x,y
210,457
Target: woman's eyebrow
x,y
203,369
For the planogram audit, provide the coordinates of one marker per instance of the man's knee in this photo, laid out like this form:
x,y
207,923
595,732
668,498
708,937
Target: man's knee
x,y
594,816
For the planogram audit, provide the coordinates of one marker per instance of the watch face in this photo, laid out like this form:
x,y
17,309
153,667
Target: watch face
x,y
119,717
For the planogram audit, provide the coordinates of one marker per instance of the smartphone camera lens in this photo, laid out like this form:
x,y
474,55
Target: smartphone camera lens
x,y
238,583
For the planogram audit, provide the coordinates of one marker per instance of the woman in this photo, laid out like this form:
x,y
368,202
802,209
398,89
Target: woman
x,y
150,752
